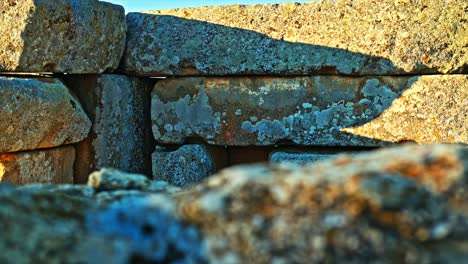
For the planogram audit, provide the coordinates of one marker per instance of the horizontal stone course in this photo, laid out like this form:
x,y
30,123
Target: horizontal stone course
x,y
320,110
327,37
39,113
40,166
72,36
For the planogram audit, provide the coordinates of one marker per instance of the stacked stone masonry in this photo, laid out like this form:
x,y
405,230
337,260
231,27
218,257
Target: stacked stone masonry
x,y
242,81
334,74
40,117
172,97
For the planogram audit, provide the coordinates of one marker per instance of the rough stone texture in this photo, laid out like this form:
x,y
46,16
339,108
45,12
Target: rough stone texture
x,y
39,113
398,205
40,226
434,109
363,37
320,110
151,227
47,224
118,105
108,179
73,36
41,166
187,165
74,224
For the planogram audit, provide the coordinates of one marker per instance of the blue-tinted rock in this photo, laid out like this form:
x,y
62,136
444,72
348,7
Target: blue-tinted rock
x,y
152,230
187,165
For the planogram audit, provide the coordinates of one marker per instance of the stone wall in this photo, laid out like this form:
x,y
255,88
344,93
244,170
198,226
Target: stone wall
x,y
180,94
172,97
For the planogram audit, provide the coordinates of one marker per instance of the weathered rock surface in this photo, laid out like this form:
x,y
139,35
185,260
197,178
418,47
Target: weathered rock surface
x,y
39,113
187,165
326,37
79,224
40,166
40,226
400,205
118,105
320,110
434,109
84,36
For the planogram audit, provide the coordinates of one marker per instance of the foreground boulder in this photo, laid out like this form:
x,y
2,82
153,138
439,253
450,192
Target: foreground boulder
x,y
320,110
83,36
323,37
39,113
400,205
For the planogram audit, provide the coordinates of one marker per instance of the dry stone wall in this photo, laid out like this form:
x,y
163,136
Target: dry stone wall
x,y
171,97
40,117
237,84
340,75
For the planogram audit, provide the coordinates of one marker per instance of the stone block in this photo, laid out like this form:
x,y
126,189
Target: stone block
x,y
187,165
300,158
61,36
120,138
320,110
343,37
39,113
40,166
